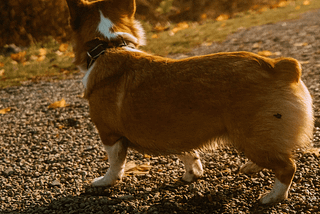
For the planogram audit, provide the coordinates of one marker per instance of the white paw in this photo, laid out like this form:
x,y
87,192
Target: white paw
x,y
272,198
104,181
194,173
278,193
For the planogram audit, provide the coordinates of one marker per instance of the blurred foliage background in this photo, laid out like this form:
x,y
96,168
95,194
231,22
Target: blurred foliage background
x,y
27,22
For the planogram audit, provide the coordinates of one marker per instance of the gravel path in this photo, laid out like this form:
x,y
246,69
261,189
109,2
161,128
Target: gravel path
x,y
49,156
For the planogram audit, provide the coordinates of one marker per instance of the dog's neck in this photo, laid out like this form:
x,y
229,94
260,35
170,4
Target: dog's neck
x,y
97,46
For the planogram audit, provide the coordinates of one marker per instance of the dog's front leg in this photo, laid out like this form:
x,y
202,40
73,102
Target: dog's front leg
x,y
117,159
192,165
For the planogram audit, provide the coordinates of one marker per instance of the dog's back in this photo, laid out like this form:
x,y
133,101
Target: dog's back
x,y
172,106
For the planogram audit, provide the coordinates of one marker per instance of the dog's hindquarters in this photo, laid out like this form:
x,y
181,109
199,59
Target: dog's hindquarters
x,y
282,123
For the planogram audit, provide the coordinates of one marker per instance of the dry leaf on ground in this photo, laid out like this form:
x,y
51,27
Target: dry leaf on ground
x,y
146,156
160,27
222,17
155,36
203,16
306,2
1,72
63,47
69,54
42,52
41,58
265,53
58,104
301,44
180,26
1,64
282,3
5,110
131,167
304,62
19,57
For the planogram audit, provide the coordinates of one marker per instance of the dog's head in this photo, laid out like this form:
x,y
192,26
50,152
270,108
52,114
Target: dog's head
x,y
105,19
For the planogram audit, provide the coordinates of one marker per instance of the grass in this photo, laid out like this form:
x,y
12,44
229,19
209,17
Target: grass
x,y
216,31
55,64
41,61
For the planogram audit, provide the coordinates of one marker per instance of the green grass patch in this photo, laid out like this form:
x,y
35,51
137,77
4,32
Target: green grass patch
x,y
216,31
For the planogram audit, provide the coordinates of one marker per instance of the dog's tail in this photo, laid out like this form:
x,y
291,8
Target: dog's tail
x,y
288,69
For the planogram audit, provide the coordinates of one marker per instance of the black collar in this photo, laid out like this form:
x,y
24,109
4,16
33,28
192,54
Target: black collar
x,y
97,47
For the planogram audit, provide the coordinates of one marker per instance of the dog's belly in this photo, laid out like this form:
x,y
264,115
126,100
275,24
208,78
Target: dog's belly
x,y
172,130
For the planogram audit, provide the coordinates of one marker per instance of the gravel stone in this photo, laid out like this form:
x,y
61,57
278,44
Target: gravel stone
x,y
48,157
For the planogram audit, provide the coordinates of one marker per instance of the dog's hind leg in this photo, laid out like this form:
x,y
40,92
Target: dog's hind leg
x,y
117,159
192,165
284,168
284,172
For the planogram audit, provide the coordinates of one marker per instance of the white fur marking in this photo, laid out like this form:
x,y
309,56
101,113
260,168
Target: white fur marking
x,y
279,192
104,27
127,36
85,78
127,48
117,160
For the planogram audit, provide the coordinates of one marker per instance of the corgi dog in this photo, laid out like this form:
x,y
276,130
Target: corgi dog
x,y
159,105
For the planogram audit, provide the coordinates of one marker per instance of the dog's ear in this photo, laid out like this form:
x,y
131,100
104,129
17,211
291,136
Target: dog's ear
x,y
75,8
127,6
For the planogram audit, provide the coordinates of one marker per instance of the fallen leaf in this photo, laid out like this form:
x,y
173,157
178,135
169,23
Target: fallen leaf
x,y
180,26
1,64
298,7
306,2
42,52
34,57
300,44
283,3
256,45
304,62
142,169
203,16
41,58
1,72
160,27
146,156
265,53
263,9
5,110
206,44
69,54
81,95
222,17
18,57
63,47
155,36
58,104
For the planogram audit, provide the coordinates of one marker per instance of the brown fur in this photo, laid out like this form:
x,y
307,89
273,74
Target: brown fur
x,y
164,106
